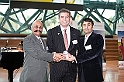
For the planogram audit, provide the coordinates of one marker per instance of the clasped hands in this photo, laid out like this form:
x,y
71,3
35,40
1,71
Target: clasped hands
x,y
60,56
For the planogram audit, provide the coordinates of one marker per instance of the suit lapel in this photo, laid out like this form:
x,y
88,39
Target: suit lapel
x,y
72,37
59,37
89,39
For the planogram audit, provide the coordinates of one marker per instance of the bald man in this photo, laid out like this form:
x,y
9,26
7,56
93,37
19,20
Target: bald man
x,y
35,56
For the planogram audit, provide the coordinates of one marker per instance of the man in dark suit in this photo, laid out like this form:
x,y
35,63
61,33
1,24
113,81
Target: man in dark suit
x,y
35,56
90,54
66,70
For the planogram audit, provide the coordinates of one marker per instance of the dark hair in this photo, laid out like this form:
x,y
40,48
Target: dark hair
x,y
121,41
87,20
65,10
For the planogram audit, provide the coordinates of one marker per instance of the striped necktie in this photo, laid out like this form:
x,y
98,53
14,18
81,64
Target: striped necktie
x,y
41,42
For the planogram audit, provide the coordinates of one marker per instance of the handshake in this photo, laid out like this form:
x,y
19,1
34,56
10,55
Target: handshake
x,y
63,56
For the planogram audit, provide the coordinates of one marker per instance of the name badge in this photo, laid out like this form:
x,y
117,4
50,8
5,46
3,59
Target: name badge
x,y
74,41
47,48
88,47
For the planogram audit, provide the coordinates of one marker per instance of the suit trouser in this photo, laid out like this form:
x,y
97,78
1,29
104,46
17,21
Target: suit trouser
x,y
62,73
81,77
80,74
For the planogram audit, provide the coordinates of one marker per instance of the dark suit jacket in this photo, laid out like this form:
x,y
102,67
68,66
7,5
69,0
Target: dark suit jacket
x,y
90,61
55,43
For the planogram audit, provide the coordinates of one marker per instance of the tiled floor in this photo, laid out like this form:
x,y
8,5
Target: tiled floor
x,y
4,75
112,73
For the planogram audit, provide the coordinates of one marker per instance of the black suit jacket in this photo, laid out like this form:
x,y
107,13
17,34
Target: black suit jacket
x,y
90,61
55,43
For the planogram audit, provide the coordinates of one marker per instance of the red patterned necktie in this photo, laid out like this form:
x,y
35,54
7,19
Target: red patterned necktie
x,y
65,39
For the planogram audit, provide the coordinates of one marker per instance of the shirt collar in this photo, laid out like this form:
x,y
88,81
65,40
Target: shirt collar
x,y
88,35
68,28
37,37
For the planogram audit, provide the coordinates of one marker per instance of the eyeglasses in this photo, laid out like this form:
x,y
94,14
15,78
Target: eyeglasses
x,y
36,27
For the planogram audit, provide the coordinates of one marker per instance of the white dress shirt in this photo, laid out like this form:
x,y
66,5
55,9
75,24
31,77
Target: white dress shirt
x,y
86,38
67,32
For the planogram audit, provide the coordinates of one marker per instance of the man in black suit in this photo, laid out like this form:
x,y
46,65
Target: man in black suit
x,y
66,70
90,54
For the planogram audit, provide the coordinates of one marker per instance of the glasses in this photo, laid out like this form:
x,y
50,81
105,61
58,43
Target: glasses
x,y
36,27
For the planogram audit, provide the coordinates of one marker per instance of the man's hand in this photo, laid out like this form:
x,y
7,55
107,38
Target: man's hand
x,y
70,57
58,57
